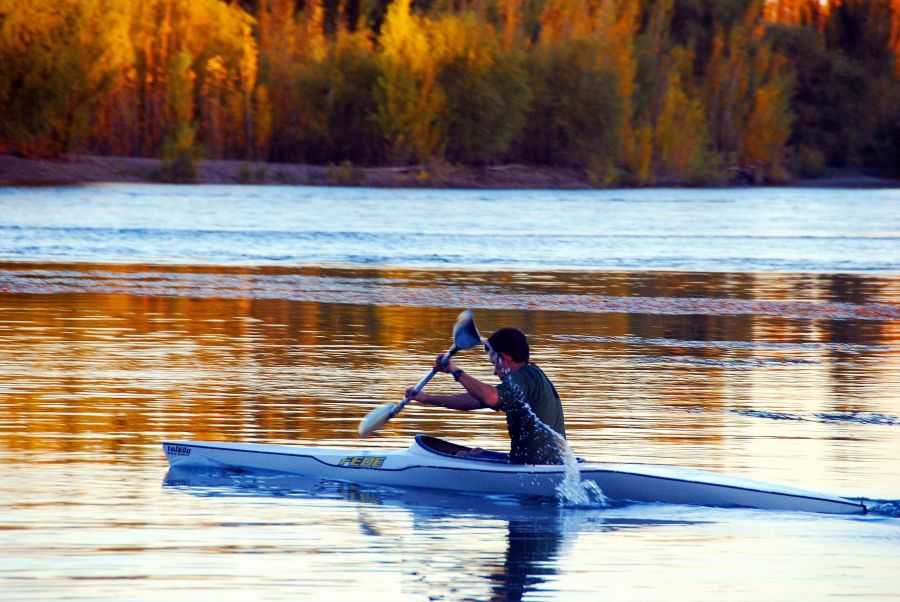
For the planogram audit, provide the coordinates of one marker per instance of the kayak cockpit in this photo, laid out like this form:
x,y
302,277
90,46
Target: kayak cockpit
x,y
446,448
454,450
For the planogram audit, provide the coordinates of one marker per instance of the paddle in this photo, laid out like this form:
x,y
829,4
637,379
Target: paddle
x,y
465,336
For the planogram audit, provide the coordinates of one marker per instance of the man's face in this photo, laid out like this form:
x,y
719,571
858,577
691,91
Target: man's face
x,y
499,360
500,363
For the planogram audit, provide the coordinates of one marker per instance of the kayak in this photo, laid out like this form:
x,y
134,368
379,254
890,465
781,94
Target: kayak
x,y
437,464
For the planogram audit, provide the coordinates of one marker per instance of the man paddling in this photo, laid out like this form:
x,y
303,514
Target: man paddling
x,y
525,394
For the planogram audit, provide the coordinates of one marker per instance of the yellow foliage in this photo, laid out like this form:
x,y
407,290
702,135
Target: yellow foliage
x,y
797,12
680,134
26,23
413,50
142,39
120,75
404,37
768,125
311,34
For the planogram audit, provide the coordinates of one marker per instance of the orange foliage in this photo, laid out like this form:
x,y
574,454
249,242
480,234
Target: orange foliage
x,y
798,12
895,36
680,132
120,76
222,49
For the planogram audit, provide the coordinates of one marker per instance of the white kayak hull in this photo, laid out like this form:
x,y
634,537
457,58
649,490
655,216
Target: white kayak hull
x,y
423,464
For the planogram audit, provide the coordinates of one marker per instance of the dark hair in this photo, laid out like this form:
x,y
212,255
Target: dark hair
x,y
511,341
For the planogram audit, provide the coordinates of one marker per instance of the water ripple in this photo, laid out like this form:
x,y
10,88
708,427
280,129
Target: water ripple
x,y
738,364
873,418
728,345
385,291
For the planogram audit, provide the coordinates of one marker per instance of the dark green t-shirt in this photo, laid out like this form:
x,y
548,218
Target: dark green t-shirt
x,y
529,399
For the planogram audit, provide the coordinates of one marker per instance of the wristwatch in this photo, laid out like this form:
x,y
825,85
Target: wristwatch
x,y
456,374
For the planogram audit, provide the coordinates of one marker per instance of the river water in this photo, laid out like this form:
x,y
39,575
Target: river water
x,y
753,332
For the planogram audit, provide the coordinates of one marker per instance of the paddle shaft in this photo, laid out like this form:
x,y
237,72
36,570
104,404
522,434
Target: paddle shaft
x,y
424,381
465,336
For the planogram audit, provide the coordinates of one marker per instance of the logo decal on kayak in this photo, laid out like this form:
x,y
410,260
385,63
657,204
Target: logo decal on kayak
x,y
178,450
363,461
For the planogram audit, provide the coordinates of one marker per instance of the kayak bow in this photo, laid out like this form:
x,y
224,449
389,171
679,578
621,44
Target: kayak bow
x,y
432,463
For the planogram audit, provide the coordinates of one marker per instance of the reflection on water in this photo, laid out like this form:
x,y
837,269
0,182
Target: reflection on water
x,y
786,378
536,532
100,372
359,287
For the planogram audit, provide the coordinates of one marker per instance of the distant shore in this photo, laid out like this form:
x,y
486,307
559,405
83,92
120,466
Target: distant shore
x,y
17,171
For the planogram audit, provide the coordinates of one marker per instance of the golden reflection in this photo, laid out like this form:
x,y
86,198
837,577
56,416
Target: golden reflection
x,y
105,374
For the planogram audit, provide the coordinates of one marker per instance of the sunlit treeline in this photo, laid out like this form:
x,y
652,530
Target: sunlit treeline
x,y
634,91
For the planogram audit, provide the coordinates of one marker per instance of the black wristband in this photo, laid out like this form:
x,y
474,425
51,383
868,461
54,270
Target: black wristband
x,y
457,374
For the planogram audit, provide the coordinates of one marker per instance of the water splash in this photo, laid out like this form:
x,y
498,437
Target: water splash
x,y
572,492
884,507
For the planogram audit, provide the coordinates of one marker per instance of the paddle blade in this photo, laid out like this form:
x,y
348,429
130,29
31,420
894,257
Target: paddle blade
x,y
375,419
465,334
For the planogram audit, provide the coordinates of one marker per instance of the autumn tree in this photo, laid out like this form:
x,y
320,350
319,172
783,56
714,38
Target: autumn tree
x,y
485,90
222,49
643,92
56,58
409,101
747,88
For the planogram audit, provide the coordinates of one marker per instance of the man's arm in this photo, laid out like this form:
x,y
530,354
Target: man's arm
x,y
485,395
462,401
478,395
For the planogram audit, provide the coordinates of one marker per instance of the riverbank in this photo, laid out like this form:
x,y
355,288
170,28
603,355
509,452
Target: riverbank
x,y
17,171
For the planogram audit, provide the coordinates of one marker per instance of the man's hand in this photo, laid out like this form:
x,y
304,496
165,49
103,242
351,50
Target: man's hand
x,y
472,453
421,396
445,368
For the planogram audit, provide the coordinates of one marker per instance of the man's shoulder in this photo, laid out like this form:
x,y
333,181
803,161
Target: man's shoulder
x,y
532,371
527,373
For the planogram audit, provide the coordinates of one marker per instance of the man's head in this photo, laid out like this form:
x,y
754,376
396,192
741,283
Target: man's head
x,y
510,341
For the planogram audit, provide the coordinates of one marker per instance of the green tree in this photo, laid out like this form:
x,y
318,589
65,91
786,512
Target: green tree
x,y
335,101
486,107
833,98
576,112
180,151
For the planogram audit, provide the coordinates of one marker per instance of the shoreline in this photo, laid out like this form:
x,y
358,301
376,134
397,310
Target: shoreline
x,y
87,169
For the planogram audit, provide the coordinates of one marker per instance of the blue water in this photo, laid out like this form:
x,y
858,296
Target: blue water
x,y
754,332
721,230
